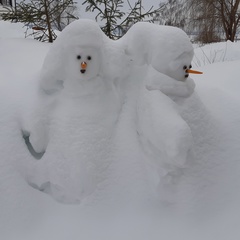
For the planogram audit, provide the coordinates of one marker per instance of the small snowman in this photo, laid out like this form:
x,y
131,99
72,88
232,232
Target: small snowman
x,y
163,54
76,114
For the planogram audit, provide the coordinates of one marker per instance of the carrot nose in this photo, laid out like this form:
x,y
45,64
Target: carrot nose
x,y
83,65
193,71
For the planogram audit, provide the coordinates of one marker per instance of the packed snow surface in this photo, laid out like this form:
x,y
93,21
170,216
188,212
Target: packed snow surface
x,y
130,148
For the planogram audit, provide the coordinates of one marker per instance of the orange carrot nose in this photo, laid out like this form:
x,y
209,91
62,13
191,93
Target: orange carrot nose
x,y
193,71
83,65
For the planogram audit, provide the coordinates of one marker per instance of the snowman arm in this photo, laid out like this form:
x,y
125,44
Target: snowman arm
x,y
168,85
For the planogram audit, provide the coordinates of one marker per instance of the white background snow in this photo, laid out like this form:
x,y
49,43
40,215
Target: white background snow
x,y
101,177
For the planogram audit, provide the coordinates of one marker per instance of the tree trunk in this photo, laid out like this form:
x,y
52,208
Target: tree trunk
x,y
50,37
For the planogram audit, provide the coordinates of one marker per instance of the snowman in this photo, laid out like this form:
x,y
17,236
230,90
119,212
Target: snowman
x,y
74,68
163,54
167,51
76,114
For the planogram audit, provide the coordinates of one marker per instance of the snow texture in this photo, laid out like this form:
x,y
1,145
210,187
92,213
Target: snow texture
x,y
90,131
138,151
166,49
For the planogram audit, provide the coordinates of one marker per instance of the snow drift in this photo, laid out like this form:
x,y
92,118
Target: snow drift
x,y
140,145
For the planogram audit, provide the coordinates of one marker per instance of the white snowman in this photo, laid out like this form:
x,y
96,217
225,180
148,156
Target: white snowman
x,y
76,114
163,54
167,51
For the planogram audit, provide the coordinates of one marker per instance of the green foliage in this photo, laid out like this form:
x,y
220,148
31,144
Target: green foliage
x,y
43,16
116,21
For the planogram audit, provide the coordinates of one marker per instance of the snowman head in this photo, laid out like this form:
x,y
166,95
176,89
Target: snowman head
x,y
180,67
76,56
83,63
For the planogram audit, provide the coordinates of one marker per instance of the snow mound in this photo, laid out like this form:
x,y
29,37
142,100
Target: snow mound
x,y
217,52
168,152
11,30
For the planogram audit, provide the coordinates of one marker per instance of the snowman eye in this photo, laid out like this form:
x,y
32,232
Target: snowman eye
x,y
89,57
190,66
185,67
78,57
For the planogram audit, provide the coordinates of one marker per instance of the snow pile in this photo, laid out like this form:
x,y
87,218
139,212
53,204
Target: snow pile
x,y
11,30
19,203
217,52
119,138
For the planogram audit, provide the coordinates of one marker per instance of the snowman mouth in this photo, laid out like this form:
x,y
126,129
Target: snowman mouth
x,y
83,70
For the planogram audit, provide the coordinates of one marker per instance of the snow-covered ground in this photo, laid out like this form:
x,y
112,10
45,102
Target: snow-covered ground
x,y
135,165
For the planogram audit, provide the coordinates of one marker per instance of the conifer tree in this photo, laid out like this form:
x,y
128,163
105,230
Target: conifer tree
x,y
43,16
116,21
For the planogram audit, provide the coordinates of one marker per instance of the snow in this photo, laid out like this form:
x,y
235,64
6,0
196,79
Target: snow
x,y
217,52
158,48
128,151
9,30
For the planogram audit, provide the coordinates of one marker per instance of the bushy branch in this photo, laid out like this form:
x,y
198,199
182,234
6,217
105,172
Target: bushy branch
x,y
43,17
116,21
